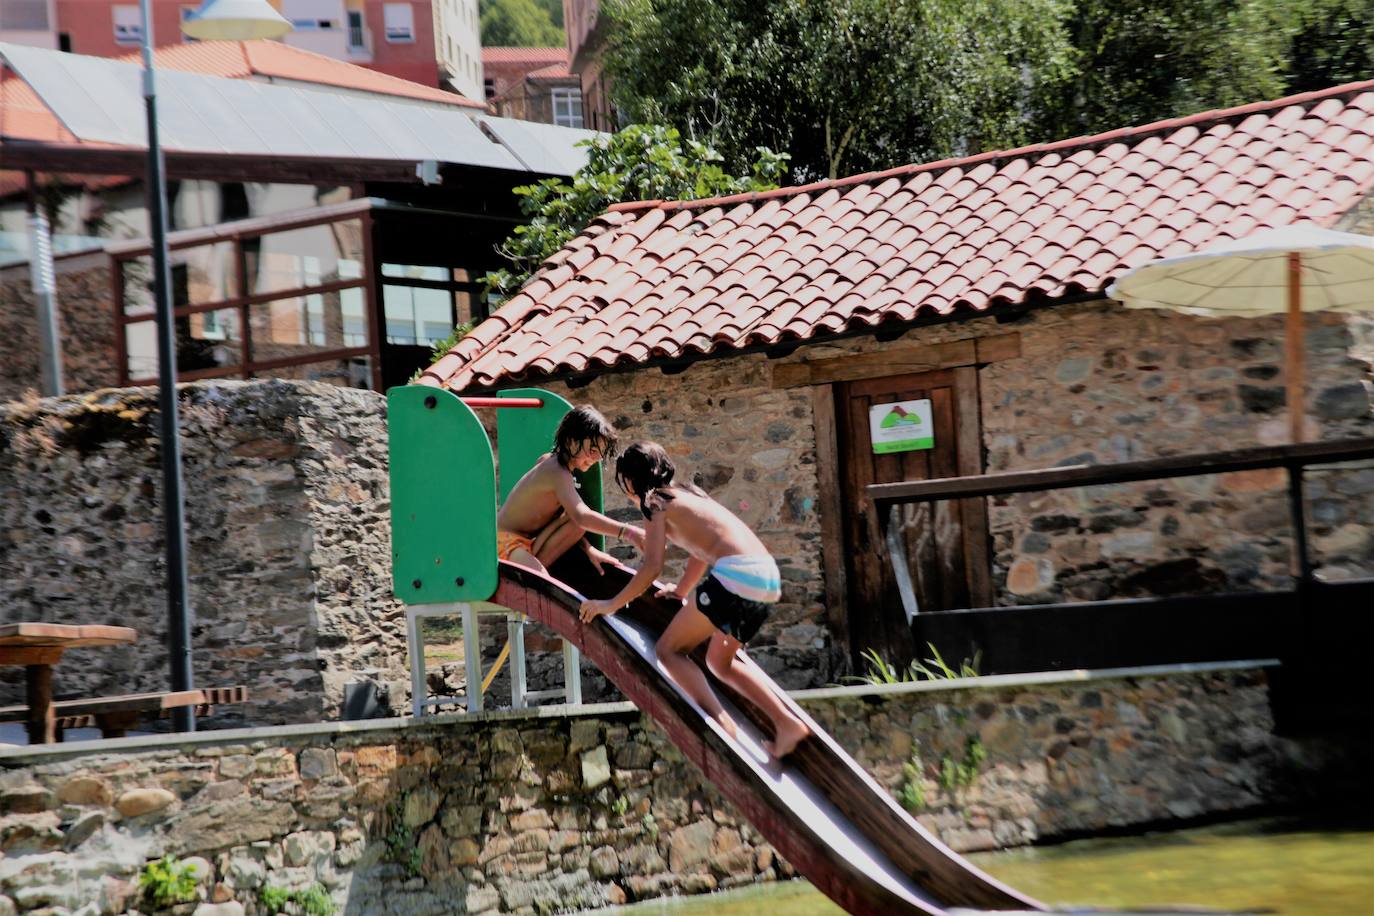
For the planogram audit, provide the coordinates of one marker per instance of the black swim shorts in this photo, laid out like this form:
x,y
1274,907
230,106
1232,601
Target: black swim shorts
x,y
735,616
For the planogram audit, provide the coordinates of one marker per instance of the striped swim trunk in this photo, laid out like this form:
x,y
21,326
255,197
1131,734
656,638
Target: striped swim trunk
x,y
736,595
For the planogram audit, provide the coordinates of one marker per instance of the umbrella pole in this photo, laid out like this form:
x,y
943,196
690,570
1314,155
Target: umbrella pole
x,y
1293,347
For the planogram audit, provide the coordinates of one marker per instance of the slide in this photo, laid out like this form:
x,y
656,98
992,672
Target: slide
x,y
818,808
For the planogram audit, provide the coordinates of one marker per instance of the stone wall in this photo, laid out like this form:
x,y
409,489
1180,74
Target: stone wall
x,y
85,326
1095,383
287,517
566,810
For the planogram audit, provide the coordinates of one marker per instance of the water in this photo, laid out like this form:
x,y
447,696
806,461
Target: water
x,y
1277,865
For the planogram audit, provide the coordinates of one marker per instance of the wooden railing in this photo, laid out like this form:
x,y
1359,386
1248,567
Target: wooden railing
x,y
887,498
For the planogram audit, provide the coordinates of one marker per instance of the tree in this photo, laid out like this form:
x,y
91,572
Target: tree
x,y
640,162
1140,61
842,85
521,24
1333,43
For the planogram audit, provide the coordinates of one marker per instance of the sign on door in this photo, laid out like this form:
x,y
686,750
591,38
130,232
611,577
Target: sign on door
x,y
904,426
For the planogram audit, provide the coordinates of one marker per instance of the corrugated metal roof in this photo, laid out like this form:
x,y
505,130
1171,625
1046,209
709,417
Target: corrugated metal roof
x,y
540,147
100,101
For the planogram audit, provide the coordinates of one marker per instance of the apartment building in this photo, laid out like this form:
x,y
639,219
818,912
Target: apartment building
x,y
396,37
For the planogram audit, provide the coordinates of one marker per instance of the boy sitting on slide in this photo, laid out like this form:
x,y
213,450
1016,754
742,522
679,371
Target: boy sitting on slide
x,y
544,516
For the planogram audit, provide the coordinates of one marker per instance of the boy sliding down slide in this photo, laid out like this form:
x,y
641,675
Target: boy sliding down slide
x,y
727,607
543,514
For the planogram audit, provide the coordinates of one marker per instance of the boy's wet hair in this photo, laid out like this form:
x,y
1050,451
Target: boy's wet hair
x,y
580,427
645,469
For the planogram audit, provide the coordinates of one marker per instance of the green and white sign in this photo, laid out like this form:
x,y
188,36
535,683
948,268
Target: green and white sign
x,y
901,427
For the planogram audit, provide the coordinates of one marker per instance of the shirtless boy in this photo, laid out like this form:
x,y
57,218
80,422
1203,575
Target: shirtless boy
x,y
726,607
543,515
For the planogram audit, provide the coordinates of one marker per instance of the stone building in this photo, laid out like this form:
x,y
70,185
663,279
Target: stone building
x,y
752,335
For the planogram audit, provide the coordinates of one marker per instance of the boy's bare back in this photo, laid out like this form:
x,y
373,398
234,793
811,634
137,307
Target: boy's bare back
x,y
706,529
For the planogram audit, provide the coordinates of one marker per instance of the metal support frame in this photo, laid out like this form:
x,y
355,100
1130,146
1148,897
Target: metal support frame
x,y
420,701
901,567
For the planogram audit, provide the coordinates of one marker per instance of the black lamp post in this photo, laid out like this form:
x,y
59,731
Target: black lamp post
x,y
222,19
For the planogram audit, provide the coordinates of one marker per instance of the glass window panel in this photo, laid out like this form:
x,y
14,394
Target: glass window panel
x,y
137,274
417,272
417,316
300,325
209,274
200,276
305,257
141,340
205,340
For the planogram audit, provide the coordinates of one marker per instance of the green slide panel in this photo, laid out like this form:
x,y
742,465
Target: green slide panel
x,y
443,510
524,434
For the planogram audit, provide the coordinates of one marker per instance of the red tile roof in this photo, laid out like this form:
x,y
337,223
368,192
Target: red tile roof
x,y
534,56
242,59
551,72
676,280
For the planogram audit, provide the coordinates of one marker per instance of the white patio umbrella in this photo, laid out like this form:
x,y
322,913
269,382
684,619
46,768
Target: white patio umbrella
x,y
1291,270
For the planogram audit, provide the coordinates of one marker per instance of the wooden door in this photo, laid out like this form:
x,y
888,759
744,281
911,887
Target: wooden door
x,y
947,542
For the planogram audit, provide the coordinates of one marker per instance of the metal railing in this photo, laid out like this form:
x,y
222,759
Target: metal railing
x,y
887,498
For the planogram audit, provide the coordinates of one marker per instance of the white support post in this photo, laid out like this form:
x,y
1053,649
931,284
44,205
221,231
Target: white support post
x,y
418,690
572,674
472,654
515,632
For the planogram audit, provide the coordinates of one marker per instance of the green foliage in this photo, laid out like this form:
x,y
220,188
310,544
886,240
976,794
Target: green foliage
x,y
853,85
312,901
912,793
844,86
955,775
881,671
1145,60
168,881
650,826
641,162
1333,43
401,842
521,23
620,805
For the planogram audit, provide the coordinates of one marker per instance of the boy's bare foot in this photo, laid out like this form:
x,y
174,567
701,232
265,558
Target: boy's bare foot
x,y
790,733
728,724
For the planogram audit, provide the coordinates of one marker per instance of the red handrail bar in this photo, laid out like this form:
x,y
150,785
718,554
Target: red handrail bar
x,y
503,402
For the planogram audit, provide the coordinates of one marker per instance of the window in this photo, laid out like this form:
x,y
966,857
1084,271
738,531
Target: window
x,y
399,19
128,25
356,40
567,106
64,41
489,86
186,13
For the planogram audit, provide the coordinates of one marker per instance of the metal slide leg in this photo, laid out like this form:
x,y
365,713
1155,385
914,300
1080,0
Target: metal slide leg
x,y
472,656
515,632
572,674
901,568
417,663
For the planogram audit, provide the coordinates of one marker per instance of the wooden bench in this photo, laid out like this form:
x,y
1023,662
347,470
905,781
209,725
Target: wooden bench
x,y
116,715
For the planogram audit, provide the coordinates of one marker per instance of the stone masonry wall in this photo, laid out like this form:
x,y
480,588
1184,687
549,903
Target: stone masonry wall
x,y
85,326
567,810
1095,383
286,503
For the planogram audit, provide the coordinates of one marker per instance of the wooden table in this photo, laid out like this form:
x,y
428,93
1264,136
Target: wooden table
x,y
39,646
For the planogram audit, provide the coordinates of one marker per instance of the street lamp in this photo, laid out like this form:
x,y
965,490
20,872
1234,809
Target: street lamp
x,y
225,20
